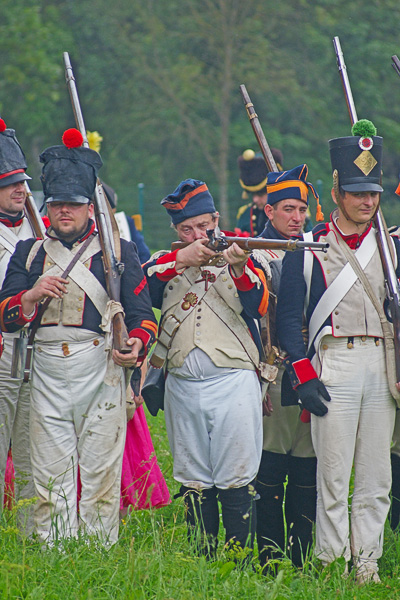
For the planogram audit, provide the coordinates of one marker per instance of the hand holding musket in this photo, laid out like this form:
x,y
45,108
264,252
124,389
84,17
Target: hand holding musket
x,y
106,225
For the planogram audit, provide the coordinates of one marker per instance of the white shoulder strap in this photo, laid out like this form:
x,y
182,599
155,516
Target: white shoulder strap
x,y
340,286
307,268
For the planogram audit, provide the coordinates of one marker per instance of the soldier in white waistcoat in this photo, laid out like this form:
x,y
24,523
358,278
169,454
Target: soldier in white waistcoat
x,y
209,341
14,394
78,412
342,378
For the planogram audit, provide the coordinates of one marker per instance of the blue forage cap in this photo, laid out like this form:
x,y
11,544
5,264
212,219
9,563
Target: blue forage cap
x,y
283,185
190,199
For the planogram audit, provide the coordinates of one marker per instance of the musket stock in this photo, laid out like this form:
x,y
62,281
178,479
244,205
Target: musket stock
x,y
106,226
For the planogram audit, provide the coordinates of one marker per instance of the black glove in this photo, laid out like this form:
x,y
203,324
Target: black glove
x,y
310,393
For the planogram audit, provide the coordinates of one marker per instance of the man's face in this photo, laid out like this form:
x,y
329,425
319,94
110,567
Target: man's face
x,y
195,228
12,198
359,207
287,216
69,219
260,199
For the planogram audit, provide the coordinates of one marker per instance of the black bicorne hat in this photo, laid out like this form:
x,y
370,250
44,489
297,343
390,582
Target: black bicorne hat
x,y
357,159
69,174
12,159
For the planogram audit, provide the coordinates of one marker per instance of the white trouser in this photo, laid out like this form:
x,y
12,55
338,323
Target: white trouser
x,y
356,430
14,426
76,420
214,429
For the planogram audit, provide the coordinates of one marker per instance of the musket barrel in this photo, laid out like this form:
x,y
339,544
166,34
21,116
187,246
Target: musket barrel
x,y
345,80
76,105
255,123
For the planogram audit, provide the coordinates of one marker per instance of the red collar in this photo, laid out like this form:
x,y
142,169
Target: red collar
x,y
353,240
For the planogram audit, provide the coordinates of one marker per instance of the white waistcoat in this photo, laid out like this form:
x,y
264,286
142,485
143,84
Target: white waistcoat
x,y
214,325
355,314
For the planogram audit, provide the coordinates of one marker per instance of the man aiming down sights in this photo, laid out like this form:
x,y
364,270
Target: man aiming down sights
x,y
211,347
78,413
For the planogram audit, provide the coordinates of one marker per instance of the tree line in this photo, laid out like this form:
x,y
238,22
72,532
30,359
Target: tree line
x,y
159,80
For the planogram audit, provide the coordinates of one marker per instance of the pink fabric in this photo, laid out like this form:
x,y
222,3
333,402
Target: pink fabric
x,y
9,483
142,483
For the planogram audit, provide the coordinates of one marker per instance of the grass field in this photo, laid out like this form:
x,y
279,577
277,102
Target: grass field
x,y
152,560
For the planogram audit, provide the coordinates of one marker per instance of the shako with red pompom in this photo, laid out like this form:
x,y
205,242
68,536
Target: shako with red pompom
x,y
3,126
72,138
12,159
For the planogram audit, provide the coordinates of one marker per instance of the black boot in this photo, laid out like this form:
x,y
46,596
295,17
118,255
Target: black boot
x,y
202,518
270,526
300,507
239,515
394,515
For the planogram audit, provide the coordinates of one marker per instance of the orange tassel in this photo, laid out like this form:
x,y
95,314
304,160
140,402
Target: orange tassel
x,y
320,215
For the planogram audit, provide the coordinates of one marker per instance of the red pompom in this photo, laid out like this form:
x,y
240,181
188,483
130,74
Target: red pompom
x,y
3,126
72,138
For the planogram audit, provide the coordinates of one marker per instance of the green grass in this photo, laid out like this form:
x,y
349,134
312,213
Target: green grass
x,y
152,560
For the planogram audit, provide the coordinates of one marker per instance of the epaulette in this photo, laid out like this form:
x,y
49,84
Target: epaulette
x,y
242,209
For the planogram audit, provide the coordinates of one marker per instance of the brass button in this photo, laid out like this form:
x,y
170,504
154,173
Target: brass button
x,y
96,342
328,271
377,342
363,338
325,258
80,299
230,286
65,349
350,345
79,309
337,326
325,347
224,279
336,312
236,295
176,279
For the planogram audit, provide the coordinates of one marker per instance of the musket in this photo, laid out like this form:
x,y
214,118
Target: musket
x,y
108,234
383,237
33,215
258,132
220,242
396,64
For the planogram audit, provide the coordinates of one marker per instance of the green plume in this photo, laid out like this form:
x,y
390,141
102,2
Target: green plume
x,y
364,128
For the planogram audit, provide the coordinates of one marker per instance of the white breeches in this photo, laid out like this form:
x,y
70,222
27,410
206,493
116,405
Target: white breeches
x,y
214,429
356,430
76,420
14,426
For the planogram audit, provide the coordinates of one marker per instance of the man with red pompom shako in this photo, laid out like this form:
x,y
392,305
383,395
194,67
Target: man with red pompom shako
x,y
14,395
78,415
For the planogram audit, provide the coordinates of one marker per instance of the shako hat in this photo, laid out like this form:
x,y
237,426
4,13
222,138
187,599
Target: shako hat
x,y
283,185
357,160
190,199
253,169
12,159
69,172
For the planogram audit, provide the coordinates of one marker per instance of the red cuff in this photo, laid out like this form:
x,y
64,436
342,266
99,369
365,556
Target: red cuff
x,y
304,371
146,338
168,273
15,304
